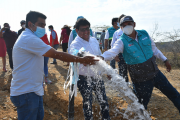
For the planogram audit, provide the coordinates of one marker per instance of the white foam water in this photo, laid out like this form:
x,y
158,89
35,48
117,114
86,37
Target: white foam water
x,y
117,83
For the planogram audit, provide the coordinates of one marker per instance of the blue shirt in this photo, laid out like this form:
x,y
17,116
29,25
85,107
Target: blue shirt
x,y
53,34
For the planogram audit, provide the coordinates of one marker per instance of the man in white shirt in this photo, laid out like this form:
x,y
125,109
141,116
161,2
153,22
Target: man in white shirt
x,y
122,64
140,52
26,89
73,34
85,85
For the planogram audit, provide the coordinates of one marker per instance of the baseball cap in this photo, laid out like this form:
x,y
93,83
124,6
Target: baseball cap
x,y
22,21
79,17
125,19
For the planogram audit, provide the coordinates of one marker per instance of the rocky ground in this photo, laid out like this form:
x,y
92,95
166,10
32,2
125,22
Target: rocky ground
x,y
56,101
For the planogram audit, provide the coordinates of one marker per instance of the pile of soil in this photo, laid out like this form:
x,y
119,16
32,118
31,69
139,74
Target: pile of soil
x,y
56,101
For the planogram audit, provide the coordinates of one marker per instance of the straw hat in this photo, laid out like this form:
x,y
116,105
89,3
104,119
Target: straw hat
x,y
65,26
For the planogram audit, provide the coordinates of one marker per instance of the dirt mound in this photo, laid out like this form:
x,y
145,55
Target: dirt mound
x,y
56,101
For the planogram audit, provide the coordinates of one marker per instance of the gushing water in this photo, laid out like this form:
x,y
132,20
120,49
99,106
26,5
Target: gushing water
x,y
117,83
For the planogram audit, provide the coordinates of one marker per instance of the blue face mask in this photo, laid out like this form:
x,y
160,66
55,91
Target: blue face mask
x,y
118,24
40,32
50,30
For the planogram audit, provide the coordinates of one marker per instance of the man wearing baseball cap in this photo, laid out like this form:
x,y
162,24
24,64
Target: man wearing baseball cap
x,y
140,53
23,22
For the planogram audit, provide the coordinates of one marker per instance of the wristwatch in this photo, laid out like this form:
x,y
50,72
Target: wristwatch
x,y
165,60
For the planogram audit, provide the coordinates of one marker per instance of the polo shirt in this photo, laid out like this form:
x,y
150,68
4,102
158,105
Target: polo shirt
x,y
28,61
91,46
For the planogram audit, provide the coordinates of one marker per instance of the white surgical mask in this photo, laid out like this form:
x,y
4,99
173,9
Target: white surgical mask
x,y
23,26
128,29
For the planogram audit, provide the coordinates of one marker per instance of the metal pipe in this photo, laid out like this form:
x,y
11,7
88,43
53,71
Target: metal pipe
x,y
71,104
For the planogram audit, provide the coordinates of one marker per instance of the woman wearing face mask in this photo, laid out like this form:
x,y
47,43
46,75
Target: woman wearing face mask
x,y
3,53
23,23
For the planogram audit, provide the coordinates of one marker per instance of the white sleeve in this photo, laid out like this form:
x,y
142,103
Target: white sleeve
x,y
118,47
74,45
99,50
70,41
114,39
37,46
156,52
107,35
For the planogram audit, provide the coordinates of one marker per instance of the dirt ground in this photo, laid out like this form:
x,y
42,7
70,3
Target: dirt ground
x,y
56,101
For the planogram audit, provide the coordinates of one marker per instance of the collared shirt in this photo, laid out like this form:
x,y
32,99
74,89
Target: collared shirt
x,y
28,63
116,36
118,47
71,39
91,46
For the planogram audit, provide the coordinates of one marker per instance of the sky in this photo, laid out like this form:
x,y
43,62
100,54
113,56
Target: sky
x,y
166,13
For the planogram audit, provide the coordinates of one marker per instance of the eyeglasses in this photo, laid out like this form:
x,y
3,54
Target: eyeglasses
x,y
84,29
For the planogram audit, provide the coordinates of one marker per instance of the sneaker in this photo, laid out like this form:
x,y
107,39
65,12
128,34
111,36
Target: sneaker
x,y
47,81
53,62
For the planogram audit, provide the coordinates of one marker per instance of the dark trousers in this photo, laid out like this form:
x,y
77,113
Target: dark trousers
x,y
122,67
86,88
109,44
9,51
64,47
143,90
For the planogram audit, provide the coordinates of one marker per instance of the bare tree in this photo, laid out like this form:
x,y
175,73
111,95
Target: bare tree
x,y
154,33
168,42
173,36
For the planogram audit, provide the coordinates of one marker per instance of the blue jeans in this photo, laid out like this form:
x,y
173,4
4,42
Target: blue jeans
x,y
46,66
143,90
55,47
29,106
122,67
86,91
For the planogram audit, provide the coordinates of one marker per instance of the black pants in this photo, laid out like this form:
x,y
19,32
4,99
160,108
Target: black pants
x,y
64,47
86,87
109,42
9,51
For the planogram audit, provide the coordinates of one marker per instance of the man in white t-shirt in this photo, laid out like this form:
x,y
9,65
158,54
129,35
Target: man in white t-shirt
x,y
28,57
85,85
73,34
122,64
